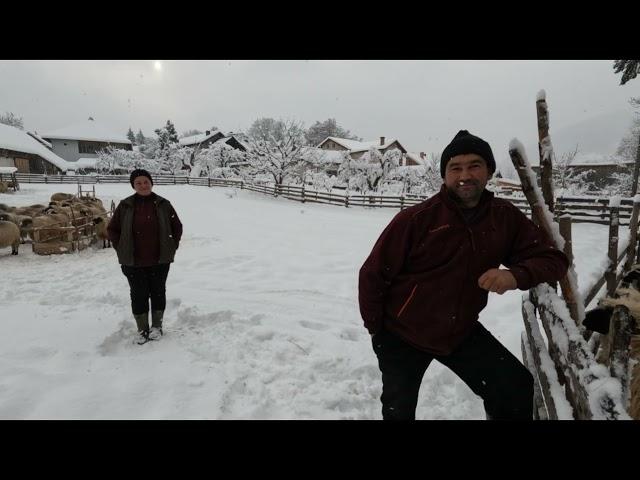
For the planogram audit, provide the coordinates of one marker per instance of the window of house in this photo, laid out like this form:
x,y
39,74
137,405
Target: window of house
x,y
91,147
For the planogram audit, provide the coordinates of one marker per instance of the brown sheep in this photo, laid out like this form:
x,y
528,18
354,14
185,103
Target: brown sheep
x,y
56,197
8,217
26,227
10,236
101,230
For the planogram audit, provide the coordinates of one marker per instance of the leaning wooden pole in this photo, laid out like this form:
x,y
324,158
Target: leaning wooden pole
x,y
636,169
538,207
545,150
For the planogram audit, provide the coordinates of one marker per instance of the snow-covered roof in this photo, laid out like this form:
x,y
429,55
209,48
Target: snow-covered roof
x,y
89,130
86,163
356,146
196,139
321,155
415,157
8,169
40,139
12,138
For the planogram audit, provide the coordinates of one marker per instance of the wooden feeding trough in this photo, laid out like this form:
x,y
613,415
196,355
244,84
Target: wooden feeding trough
x,y
8,179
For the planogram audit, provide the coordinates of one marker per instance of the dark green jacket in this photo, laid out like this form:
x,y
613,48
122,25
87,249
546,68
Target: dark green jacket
x,y
120,230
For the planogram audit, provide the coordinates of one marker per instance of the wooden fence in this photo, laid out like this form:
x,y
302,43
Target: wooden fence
x,y
591,210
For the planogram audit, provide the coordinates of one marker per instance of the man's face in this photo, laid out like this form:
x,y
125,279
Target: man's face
x,y
142,185
466,176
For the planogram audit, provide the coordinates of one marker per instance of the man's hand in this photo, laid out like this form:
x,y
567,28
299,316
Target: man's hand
x,y
498,281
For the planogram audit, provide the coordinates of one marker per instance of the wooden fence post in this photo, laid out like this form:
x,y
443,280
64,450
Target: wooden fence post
x,y
610,275
537,210
565,230
633,235
545,150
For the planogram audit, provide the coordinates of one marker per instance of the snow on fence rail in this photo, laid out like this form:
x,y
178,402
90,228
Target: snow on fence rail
x,y
591,210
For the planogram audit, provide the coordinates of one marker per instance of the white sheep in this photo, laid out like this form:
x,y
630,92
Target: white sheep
x,y
9,236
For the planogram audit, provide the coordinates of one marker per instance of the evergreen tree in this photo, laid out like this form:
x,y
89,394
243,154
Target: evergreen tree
x,y
131,136
629,68
140,140
166,135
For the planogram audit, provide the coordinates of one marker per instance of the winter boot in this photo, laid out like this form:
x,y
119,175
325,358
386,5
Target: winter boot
x,y
156,324
141,337
142,322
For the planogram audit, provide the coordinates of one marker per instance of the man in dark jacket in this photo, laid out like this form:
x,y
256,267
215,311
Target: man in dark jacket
x,y
145,231
428,276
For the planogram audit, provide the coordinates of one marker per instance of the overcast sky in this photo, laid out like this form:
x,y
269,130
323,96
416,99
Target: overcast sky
x,y
422,103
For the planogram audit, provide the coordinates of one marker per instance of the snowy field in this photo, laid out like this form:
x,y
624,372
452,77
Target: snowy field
x,y
262,319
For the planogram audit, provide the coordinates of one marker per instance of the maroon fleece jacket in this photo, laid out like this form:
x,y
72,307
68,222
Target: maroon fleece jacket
x,y
420,281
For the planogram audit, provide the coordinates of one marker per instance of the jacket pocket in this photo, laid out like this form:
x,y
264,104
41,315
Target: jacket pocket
x,y
407,301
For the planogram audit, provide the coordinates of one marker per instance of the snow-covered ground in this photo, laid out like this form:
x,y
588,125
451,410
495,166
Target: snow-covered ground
x,y
262,319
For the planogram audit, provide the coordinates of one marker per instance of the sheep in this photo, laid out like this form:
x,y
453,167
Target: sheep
x,y
93,201
26,227
61,196
10,236
8,217
599,320
101,230
31,210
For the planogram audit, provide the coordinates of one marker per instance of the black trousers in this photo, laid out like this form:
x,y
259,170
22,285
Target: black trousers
x,y
147,283
482,362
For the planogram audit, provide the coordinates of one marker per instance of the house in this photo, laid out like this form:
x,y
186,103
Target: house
x,y
323,159
84,140
207,139
19,149
357,149
415,159
598,175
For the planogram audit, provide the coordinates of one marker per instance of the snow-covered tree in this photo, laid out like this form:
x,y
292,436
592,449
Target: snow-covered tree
x,y
275,148
370,171
317,132
175,159
112,160
218,160
11,119
320,180
562,172
190,133
131,136
628,147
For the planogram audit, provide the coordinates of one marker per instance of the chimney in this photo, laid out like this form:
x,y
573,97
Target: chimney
x,y
208,132
422,155
381,141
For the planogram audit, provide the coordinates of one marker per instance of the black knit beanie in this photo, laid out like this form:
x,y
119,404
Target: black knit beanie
x,y
139,172
464,143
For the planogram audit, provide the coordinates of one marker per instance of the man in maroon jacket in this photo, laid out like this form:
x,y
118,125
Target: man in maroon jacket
x,y
428,276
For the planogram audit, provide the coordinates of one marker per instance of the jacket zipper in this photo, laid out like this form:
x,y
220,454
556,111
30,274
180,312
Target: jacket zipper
x,y
407,301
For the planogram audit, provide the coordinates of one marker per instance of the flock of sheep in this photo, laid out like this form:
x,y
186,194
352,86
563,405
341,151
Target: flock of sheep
x,y
86,214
